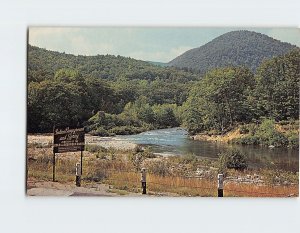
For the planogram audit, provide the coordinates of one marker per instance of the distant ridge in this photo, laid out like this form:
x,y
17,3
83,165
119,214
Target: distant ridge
x,y
236,48
156,63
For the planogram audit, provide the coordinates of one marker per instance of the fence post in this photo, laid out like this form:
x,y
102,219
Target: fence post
x,y
220,185
78,174
53,168
143,180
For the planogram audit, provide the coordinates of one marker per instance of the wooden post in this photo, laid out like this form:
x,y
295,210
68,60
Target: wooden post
x,y
143,180
81,162
220,185
78,174
53,162
53,166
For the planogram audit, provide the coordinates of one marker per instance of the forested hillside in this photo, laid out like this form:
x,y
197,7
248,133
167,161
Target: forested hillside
x,y
231,96
236,48
42,65
67,90
111,95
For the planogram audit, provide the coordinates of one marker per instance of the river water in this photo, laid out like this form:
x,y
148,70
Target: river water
x,y
177,142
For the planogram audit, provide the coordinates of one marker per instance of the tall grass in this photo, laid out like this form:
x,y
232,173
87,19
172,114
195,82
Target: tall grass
x,y
121,174
252,190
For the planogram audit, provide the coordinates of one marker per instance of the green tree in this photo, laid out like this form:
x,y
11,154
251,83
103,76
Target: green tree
x,y
53,103
277,87
220,99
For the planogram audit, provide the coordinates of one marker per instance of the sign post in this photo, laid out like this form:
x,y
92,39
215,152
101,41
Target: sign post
x,y
68,140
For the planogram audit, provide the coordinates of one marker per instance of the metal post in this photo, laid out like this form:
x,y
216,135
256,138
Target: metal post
x,y
53,166
220,185
143,180
78,174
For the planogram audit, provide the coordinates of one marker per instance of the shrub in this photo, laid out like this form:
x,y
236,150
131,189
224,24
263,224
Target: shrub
x,y
101,155
268,135
293,140
264,134
100,131
138,149
136,159
96,174
252,128
160,168
233,159
277,139
244,129
147,153
126,130
189,159
95,148
112,154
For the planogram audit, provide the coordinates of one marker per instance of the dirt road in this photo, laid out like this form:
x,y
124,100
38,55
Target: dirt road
x,y
47,188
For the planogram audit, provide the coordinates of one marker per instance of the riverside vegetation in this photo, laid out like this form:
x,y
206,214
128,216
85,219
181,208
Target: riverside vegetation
x,y
186,175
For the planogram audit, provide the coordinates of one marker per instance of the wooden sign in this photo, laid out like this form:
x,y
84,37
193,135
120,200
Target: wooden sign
x,y
68,140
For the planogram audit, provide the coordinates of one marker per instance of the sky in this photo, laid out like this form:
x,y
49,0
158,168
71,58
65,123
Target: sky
x,y
149,43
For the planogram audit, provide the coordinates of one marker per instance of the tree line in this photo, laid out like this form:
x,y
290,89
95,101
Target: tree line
x,y
67,90
228,96
134,96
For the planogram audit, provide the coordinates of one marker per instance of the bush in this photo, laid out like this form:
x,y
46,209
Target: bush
x,y
126,130
95,148
293,140
138,149
136,159
189,159
160,168
277,140
244,129
265,134
268,135
96,174
147,153
233,159
100,131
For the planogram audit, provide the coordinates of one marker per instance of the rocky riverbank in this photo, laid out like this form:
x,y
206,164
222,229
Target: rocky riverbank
x,y
118,143
109,170
225,138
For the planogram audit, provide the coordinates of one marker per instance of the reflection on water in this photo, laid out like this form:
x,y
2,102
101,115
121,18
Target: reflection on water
x,y
176,141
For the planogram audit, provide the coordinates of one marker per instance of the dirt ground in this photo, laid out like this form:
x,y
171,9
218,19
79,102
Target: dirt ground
x,y
47,188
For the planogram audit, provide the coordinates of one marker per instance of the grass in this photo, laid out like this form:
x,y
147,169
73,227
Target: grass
x,y
251,190
173,177
182,186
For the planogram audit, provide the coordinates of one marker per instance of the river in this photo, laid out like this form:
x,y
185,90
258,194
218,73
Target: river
x,y
175,141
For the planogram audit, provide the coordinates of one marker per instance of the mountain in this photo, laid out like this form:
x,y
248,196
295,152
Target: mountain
x,y
236,48
156,63
43,64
